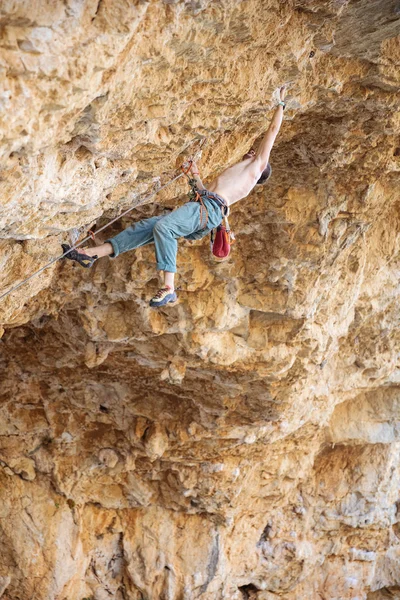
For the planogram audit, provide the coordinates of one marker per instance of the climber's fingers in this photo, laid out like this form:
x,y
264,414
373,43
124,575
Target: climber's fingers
x,y
194,169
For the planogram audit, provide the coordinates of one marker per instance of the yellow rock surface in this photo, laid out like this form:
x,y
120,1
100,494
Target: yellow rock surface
x,y
244,444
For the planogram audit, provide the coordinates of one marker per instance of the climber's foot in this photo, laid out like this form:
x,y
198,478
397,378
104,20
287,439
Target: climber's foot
x,y
83,259
164,296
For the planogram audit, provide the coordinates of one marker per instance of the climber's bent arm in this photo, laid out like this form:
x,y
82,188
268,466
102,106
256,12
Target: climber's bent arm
x,y
194,170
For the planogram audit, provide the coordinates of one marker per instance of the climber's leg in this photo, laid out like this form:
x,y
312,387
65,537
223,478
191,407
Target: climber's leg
x,y
105,249
179,223
169,279
138,234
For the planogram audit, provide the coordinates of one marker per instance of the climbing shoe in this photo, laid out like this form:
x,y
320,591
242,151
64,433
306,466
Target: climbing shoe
x,y
83,259
163,297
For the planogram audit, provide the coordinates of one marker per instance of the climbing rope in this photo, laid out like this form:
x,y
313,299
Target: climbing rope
x,y
185,169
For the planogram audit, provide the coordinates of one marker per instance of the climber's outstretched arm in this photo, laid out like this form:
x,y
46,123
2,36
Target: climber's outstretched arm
x,y
263,152
194,170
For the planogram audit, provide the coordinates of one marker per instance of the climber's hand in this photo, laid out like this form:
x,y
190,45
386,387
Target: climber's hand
x,y
282,93
194,169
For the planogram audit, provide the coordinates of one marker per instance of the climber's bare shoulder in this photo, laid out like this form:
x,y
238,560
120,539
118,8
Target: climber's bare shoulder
x,y
236,182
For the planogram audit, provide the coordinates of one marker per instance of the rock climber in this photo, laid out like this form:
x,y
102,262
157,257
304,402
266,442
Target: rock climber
x,y
194,219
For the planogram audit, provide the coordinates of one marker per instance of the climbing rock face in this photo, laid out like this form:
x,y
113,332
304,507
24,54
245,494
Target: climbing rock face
x,y
244,444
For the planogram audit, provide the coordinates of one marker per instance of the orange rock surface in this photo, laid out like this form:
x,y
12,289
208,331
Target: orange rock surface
x,y
243,445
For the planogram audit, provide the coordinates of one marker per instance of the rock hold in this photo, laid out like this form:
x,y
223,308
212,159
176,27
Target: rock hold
x,y
24,467
4,583
244,444
108,457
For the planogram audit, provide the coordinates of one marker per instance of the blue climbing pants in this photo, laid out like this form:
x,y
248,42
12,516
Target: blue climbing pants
x,y
164,231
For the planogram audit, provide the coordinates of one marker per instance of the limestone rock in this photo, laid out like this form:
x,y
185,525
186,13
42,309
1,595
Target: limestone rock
x,y
243,444
155,441
25,467
108,457
4,583
175,371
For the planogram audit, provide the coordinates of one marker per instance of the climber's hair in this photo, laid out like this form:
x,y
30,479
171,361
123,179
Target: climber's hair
x,y
265,175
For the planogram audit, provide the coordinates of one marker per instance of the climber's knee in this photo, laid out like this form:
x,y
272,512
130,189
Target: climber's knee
x,y
161,229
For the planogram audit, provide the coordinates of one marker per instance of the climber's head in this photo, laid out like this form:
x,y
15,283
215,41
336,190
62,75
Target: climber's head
x,y
265,175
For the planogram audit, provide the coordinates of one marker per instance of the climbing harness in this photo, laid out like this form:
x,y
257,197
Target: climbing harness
x,y
184,170
196,195
222,237
203,212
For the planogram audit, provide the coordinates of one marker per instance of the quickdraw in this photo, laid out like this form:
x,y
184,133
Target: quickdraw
x,y
194,196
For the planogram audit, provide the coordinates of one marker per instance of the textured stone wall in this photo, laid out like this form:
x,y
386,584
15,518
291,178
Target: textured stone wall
x,y
243,445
